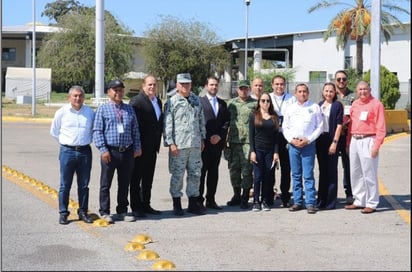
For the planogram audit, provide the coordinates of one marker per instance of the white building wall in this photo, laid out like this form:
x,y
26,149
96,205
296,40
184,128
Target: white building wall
x,y
310,53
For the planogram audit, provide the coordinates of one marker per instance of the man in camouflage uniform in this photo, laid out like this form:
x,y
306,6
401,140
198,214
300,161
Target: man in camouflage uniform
x,y
237,150
184,134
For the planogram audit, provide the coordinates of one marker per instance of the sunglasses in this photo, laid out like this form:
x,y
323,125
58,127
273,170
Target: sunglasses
x,y
343,79
265,100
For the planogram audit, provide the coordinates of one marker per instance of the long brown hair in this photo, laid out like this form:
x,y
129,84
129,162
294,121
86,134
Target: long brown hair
x,y
272,112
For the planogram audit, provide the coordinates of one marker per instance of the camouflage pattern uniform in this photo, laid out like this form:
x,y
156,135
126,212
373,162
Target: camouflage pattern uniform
x,y
184,126
239,165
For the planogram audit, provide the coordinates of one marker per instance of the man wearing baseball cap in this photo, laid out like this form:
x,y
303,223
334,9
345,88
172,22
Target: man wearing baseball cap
x,y
237,149
184,133
117,137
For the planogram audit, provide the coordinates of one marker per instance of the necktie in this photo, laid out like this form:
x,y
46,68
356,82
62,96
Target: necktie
x,y
214,105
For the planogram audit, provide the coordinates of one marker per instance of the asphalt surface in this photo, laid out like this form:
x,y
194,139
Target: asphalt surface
x,y
229,239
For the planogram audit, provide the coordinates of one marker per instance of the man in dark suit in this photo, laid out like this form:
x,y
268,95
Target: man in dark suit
x,y
148,108
217,122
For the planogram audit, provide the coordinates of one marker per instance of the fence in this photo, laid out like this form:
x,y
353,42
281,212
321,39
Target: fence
x,y
228,90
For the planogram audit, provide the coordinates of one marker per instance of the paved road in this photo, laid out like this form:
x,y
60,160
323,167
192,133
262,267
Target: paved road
x,y
230,239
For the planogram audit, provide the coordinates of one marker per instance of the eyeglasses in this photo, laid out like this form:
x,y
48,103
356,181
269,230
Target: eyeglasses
x,y
343,79
265,100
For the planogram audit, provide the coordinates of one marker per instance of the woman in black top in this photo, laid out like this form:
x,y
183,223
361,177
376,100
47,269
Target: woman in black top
x,y
263,138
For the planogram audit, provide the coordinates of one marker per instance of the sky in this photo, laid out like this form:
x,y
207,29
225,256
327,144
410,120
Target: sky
x,y
226,17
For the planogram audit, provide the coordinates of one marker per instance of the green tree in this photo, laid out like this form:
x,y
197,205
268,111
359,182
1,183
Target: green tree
x,y
55,10
174,46
354,23
389,87
70,52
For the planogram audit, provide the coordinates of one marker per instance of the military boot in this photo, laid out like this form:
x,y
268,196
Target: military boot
x,y
195,207
245,199
177,206
236,197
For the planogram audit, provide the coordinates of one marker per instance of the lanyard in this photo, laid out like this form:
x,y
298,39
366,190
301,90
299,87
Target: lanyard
x,y
118,113
280,107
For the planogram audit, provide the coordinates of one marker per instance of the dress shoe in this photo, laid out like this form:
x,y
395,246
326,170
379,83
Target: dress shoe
x,y
213,205
85,218
285,204
352,207
349,200
150,210
311,209
63,220
368,210
139,213
295,208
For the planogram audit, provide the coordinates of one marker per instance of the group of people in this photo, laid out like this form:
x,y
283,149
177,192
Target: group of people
x,y
257,132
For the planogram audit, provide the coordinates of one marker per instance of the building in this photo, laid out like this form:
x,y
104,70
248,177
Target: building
x,y
313,60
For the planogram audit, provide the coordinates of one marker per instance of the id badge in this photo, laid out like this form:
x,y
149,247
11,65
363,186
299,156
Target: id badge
x,y
346,110
280,120
120,128
363,116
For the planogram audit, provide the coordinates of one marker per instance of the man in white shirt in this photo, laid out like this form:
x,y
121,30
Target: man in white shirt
x,y
72,128
281,100
302,125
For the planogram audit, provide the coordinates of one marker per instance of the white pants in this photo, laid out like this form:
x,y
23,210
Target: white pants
x,y
364,173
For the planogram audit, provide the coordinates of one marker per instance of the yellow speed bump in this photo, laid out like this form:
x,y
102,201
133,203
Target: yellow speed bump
x,y
142,238
148,255
134,246
100,223
163,265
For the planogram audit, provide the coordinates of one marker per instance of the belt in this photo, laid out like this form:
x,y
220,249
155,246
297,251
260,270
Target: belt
x,y
120,148
76,147
361,136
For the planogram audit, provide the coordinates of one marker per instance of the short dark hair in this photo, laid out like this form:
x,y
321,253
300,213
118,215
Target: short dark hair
x,y
341,71
279,76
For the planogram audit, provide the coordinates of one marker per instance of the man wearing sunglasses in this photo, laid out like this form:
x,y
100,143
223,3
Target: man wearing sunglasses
x,y
346,97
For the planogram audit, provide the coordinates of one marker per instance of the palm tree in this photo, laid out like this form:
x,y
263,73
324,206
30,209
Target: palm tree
x,y
354,23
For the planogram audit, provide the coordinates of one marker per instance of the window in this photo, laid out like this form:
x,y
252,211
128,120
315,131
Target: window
x,y
9,54
317,76
348,62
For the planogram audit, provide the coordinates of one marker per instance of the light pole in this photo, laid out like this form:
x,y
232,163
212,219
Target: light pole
x,y
33,95
246,38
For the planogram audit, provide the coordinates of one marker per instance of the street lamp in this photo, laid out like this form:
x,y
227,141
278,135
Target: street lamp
x,y
246,38
33,95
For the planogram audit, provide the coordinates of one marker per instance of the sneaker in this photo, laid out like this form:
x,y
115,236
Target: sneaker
x,y
311,209
256,207
126,217
108,218
265,206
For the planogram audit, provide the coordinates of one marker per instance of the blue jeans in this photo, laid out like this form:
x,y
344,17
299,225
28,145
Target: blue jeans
x,y
302,162
79,162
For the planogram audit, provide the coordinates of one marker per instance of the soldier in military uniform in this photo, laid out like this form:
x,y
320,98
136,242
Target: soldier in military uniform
x,y
184,134
237,149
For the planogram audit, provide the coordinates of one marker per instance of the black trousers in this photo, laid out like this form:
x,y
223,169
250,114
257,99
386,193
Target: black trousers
x,y
346,165
328,173
123,162
284,169
142,180
211,156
